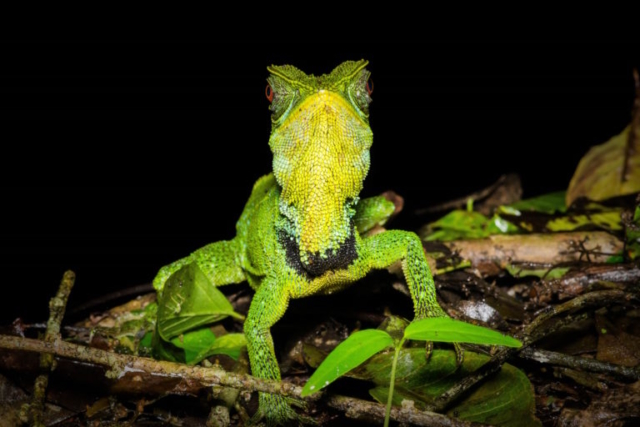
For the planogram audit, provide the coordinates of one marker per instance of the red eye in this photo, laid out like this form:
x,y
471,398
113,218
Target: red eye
x,y
369,87
269,93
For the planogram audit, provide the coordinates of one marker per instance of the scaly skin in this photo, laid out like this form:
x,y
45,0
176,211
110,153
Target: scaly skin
x,y
297,234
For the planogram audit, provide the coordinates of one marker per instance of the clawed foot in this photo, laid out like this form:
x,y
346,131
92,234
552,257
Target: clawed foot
x,y
458,349
276,410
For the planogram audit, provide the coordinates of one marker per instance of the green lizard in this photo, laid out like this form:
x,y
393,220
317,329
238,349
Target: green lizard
x,y
300,233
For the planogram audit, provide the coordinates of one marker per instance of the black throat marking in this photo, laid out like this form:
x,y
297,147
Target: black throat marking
x,y
317,265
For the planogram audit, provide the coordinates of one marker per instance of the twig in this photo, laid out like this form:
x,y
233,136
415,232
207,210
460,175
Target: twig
x,y
506,190
581,363
575,283
369,411
195,377
108,298
57,307
453,393
597,299
539,333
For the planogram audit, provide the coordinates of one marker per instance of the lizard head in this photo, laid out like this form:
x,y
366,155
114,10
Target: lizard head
x,y
320,139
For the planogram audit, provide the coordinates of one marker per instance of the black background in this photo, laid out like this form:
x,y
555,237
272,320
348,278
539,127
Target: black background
x,y
130,154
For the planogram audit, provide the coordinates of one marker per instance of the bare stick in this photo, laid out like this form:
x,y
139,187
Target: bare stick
x,y
581,363
369,411
596,299
57,307
506,190
192,378
575,283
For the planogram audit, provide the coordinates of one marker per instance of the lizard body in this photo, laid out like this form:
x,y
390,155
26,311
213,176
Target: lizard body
x,y
300,231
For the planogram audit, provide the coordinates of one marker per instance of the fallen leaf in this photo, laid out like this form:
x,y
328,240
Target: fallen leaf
x,y
608,170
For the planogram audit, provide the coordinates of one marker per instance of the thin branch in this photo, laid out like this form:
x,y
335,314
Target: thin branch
x,y
35,410
597,299
575,283
580,363
374,412
506,190
458,389
108,298
195,377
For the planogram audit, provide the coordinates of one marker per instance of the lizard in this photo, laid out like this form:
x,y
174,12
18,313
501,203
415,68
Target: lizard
x,y
301,232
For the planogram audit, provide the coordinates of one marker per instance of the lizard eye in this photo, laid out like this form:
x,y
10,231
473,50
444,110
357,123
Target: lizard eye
x,y
359,92
269,93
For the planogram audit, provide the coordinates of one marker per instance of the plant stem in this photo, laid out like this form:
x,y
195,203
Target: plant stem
x,y
392,383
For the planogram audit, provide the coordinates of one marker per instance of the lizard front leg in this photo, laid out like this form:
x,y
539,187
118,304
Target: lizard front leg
x,y
384,249
218,261
268,306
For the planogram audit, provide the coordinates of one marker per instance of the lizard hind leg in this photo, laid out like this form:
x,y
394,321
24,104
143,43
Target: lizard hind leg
x,y
268,306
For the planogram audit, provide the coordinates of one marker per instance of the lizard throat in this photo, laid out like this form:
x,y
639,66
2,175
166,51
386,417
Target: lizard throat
x,y
315,264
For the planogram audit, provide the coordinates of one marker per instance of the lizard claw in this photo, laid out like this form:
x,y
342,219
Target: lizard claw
x,y
276,411
456,346
459,354
428,349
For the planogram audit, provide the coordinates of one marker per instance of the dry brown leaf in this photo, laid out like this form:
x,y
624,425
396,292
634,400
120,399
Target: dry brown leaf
x,y
608,170
613,168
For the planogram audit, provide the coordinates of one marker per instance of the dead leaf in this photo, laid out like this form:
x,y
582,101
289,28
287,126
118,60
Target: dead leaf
x,y
615,345
613,168
617,407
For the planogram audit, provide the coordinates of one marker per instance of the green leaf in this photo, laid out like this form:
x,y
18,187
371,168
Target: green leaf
x,y
189,300
505,399
445,329
615,259
229,344
547,203
547,273
349,354
608,170
146,341
194,343
193,347
609,220
461,224
164,350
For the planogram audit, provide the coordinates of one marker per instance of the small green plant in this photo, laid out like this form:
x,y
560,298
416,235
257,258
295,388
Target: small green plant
x,y
361,345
